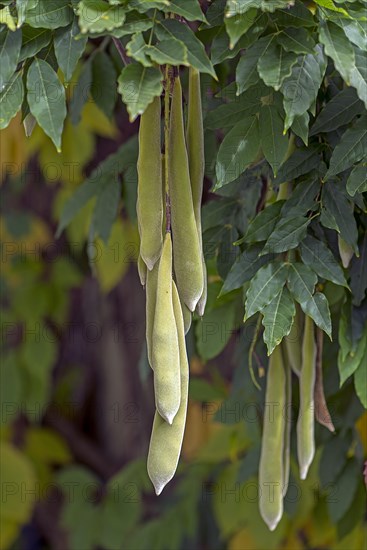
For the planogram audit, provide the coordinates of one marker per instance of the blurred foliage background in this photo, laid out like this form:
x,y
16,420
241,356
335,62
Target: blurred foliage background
x,y
76,389
77,399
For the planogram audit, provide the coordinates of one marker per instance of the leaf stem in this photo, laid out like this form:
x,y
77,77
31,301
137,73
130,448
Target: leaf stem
x,y
121,51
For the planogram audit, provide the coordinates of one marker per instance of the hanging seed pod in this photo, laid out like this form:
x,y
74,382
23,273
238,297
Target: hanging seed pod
x,y
186,246
271,468
165,349
166,440
306,418
288,421
195,149
150,200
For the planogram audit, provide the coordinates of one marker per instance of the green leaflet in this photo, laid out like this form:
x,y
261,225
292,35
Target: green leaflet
x,y
338,47
46,98
10,44
301,87
96,16
267,282
196,55
237,151
351,148
274,143
287,234
301,282
349,364
357,180
50,14
358,75
244,268
319,257
246,71
11,99
277,319
238,24
275,65
189,9
263,224
338,205
340,110
103,89
68,50
138,86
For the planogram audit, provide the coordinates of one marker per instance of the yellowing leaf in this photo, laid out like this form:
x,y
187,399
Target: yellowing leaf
x,y
28,245
243,540
112,260
46,445
293,542
8,532
77,150
361,426
95,121
18,480
196,431
78,229
7,19
45,448
222,436
13,149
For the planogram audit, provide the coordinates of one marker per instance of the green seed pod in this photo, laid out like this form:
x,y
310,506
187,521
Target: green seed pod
x,y
165,353
142,270
292,344
150,200
306,418
271,468
166,440
186,246
150,303
288,421
195,149
195,143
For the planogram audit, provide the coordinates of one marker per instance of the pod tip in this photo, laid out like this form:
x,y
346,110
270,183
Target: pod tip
x,y
158,489
149,263
167,417
158,484
272,522
304,472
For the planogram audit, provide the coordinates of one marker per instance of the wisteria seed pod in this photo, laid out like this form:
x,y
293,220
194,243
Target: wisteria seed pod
x,y
186,246
195,149
150,199
165,349
306,417
271,468
166,440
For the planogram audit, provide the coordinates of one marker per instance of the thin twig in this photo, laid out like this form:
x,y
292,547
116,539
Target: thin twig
x,y
121,50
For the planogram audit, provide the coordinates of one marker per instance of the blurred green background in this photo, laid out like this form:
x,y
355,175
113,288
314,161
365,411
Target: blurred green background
x,y
76,388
